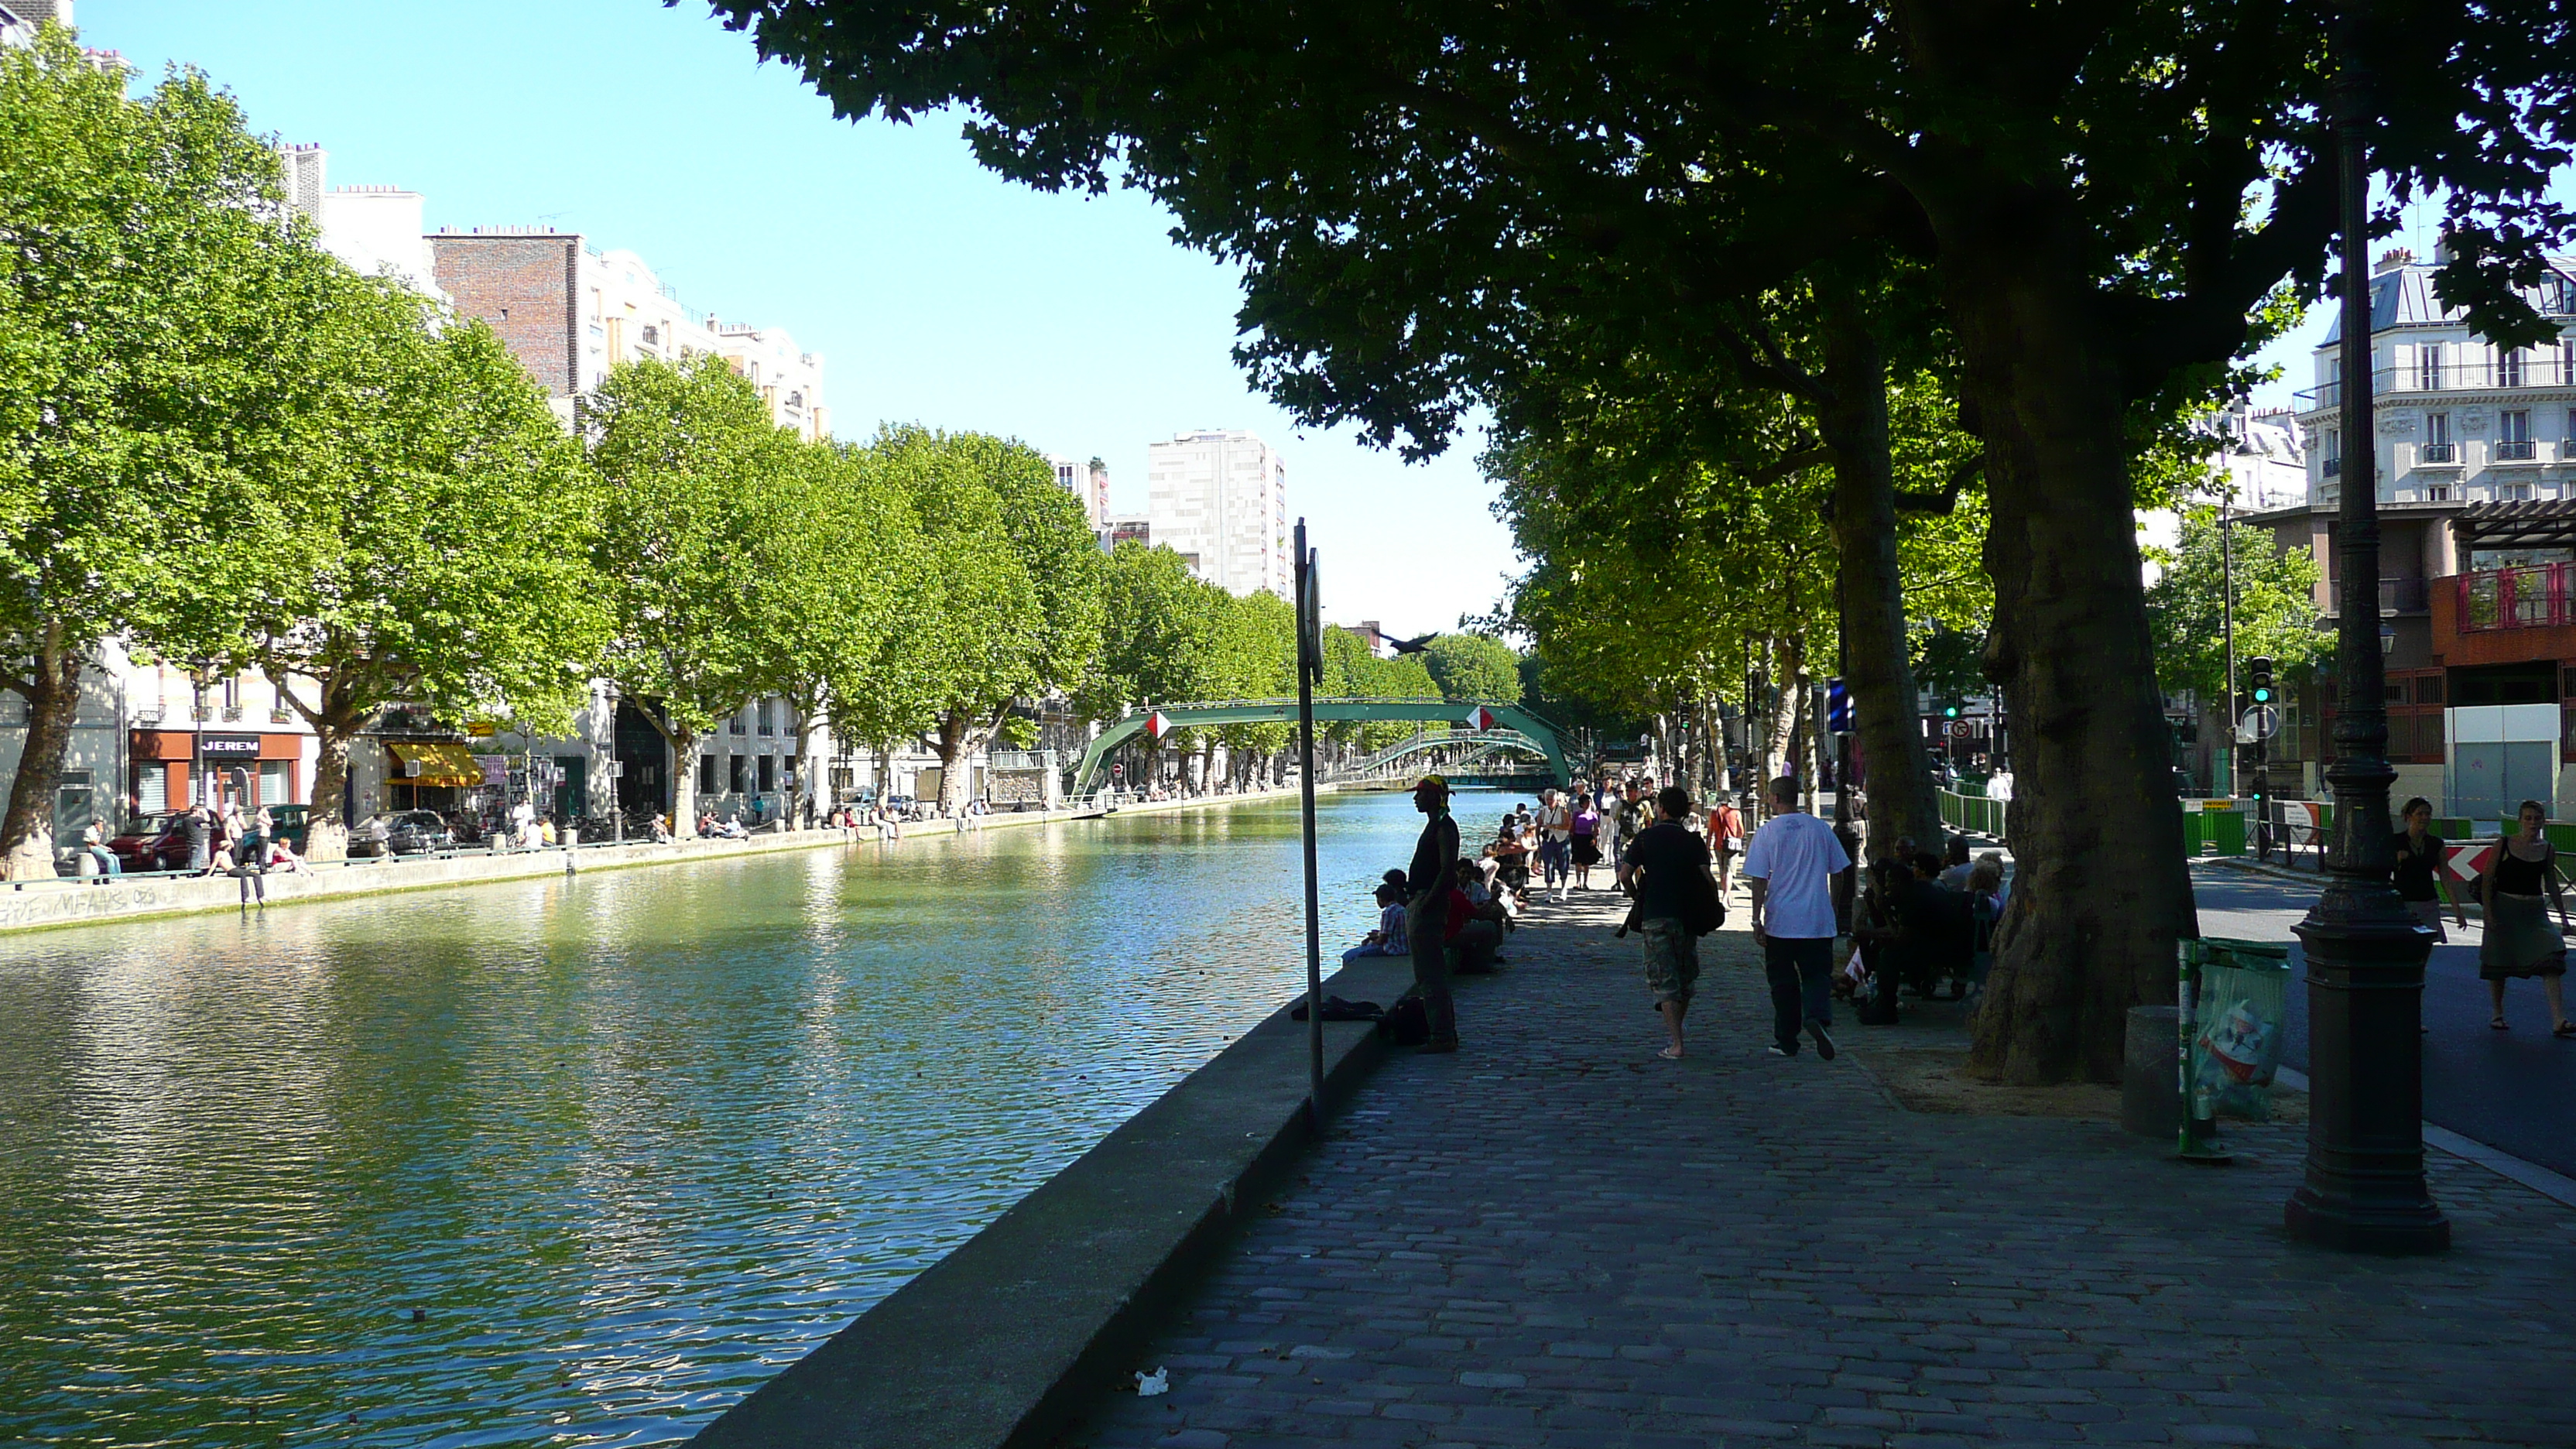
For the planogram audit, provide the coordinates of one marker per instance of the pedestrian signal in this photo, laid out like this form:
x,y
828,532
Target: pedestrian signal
x,y
2258,672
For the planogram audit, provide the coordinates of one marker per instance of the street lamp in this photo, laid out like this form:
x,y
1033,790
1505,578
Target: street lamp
x,y
2364,1185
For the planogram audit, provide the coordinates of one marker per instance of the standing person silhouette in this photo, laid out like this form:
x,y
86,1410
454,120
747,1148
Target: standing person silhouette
x,y
1426,926
1789,867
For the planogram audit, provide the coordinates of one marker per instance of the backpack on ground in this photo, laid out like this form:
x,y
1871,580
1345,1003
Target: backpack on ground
x,y
1406,1023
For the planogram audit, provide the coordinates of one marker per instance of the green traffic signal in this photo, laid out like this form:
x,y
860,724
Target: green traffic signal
x,y
1950,711
2262,696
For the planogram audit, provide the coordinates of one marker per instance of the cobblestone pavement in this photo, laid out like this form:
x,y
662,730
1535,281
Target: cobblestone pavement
x,y
1552,1238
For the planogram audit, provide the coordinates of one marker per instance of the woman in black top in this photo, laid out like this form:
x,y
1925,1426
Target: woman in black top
x,y
2420,880
2520,939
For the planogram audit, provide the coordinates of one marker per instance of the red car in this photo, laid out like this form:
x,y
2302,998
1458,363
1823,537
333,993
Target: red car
x,y
154,842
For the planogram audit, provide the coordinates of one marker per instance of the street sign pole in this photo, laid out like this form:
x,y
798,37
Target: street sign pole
x,y
1310,669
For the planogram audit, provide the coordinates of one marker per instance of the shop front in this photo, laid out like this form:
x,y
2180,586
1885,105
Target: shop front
x,y
431,774
174,769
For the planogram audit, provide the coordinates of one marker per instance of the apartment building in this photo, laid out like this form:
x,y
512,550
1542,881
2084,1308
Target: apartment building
x,y
572,312
21,19
2475,458
1088,482
1220,500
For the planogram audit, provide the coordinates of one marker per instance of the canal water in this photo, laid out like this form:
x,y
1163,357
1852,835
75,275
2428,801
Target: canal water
x,y
583,1161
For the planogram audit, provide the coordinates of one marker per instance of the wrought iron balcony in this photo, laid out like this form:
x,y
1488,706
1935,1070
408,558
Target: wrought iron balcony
x,y
2532,597
2514,450
2437,453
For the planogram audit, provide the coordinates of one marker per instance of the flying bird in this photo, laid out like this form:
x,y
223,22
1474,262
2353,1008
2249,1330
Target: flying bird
x,y
1411,646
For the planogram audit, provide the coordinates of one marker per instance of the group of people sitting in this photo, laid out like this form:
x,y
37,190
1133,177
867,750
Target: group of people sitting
x,y
1922,921
1485,902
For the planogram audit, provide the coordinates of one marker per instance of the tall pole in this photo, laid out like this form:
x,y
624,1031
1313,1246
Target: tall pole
x,y
2226,753
1310,667
2364,1188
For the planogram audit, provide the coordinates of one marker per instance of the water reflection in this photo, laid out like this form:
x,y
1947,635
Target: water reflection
x,y
580,1161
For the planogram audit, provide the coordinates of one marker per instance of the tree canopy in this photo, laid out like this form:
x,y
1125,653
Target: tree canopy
x,y
1476,668
163,383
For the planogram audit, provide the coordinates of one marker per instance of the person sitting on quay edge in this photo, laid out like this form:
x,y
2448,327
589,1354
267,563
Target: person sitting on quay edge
x,y
1388,938
94,840
1477,920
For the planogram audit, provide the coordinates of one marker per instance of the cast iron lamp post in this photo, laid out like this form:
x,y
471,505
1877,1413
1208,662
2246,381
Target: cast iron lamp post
x,y
2364,1188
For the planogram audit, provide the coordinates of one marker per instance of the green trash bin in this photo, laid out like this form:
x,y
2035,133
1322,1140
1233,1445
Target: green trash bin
x,y
2240,1011
2225,830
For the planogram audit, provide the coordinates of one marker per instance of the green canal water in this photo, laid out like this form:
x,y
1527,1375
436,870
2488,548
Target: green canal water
x,y
583,1161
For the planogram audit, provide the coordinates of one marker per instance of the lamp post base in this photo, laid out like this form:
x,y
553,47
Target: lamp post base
x,y
2358,1224
2364,1189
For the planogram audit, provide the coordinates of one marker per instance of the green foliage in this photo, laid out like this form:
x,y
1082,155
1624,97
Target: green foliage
x,y
2276,611
695,472
1475,668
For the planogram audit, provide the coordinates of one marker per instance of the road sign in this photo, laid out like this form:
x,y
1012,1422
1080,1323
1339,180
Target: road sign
x,y
2259,723
1118,770
1157,725
1961,729
1481,718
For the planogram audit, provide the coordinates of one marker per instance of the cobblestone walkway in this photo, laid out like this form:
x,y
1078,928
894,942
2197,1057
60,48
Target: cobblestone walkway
x,y
1552,1238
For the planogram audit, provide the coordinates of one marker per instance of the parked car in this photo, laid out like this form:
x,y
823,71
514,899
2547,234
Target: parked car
x,y
401,832
294,825
158,841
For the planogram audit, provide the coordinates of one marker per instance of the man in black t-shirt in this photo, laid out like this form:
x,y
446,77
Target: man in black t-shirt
x,y
1426,915
1664,864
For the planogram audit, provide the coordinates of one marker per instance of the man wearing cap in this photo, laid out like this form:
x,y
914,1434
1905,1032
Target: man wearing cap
x,y
1426,924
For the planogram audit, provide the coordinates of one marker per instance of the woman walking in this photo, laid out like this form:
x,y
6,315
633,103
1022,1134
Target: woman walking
x,y
1587,842
2520,939
2421,882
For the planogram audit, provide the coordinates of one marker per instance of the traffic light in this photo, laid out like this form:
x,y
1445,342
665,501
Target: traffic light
x,y
2258,671
1950,711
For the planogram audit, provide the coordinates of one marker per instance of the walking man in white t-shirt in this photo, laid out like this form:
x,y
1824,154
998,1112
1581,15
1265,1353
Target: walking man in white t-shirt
x,y
1789,867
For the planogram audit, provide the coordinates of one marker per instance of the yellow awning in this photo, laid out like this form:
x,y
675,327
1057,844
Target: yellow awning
x,y
440,764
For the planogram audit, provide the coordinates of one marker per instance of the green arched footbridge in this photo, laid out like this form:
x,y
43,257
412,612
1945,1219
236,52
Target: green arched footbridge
x,y
1327,711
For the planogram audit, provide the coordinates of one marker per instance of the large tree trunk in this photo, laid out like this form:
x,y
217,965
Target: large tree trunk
x,y
1780,714
1852,417
52,690
328,838
684,776
2101,890
959,736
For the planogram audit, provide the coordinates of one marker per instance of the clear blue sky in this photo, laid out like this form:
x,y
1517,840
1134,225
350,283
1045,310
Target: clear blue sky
x,y
939,293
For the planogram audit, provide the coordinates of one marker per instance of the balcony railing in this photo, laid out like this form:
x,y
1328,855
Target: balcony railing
x,y
2332,467
2540,369
2533,597
2514,450
2437,453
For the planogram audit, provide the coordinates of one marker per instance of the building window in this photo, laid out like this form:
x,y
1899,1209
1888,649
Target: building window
x,y
2509,367
734,772
706,774
652,335
768,719
2428,367
2437,439
768,773
2428,689
2330,451
735,725
2513,434
2394,691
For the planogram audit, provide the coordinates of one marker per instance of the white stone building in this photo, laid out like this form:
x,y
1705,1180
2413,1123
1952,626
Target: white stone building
x,y
1220,500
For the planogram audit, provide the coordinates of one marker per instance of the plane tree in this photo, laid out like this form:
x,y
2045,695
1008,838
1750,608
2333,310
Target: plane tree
x,y
2104,195
696,477
443,525
163,332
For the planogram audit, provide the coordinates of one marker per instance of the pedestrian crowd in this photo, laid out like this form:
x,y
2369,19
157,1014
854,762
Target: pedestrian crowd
x,y
1924,919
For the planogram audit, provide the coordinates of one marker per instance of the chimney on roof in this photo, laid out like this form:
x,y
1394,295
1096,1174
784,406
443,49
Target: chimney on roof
x,y
2391,259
